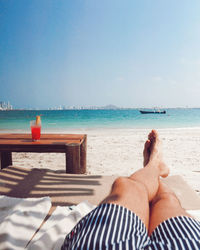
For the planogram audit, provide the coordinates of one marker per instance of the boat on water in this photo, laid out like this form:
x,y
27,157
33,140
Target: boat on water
x,y
152,112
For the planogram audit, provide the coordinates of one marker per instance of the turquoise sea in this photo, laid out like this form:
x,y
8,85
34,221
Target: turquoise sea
x,y
63,120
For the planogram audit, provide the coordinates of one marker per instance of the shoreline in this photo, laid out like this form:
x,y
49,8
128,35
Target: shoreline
x,y
100,129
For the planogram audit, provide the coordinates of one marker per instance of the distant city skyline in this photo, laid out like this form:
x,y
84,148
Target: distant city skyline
x,y
8,106
129,53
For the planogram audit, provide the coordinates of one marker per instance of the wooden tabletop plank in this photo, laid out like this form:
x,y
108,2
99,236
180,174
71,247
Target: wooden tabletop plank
x,y
40,146
57,148
39,142
47,143
43,136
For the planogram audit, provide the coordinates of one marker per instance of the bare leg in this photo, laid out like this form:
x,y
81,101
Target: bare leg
x,y
135,192
165,205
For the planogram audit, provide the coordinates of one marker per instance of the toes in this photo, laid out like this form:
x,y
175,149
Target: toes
x,y
155,134
147,144
154,143
150,135
153,137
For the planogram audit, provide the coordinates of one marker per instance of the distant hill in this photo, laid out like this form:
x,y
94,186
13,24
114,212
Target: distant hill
x,y
110,107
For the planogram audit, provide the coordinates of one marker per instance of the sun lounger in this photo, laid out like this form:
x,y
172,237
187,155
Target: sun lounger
x,y
66,190
69,189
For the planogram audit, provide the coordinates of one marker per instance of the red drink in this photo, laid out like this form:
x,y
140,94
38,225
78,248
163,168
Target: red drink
x,y
36,128
35,131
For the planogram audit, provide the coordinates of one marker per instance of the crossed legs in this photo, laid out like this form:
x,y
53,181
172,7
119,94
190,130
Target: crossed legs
x,y
143,192
165,205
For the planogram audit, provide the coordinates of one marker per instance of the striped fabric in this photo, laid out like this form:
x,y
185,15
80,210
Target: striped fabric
x,y
179,232
111,226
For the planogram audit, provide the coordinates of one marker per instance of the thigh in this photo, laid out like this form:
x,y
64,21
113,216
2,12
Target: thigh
x,y
109,226
164,206
179,233
132,195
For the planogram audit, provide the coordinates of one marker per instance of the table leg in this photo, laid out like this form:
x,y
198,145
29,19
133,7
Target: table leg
x,y
5,159
73,165
83,153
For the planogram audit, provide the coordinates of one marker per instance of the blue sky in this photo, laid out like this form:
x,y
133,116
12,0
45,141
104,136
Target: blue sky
x,y
128,53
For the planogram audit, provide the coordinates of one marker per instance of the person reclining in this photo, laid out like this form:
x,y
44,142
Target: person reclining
x,y
141,212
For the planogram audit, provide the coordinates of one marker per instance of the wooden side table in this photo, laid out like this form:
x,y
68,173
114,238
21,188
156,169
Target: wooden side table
x,y
73,145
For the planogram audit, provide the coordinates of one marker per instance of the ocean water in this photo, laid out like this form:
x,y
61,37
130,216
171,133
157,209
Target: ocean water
x,y
63,120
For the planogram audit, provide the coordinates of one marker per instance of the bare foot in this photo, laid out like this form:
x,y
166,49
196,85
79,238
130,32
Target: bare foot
x,y
153,154
146,152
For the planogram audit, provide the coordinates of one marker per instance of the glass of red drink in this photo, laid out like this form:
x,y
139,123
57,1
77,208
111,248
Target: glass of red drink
x,y
35,131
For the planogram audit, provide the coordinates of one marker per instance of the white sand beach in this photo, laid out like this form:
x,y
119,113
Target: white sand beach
x,y
119,152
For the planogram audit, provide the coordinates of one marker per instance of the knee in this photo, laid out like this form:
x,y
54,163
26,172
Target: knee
x,y
168,197
120,182
126,184
124,190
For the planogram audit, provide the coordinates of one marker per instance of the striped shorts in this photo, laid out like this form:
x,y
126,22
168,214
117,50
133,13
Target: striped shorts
x,y
110,226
